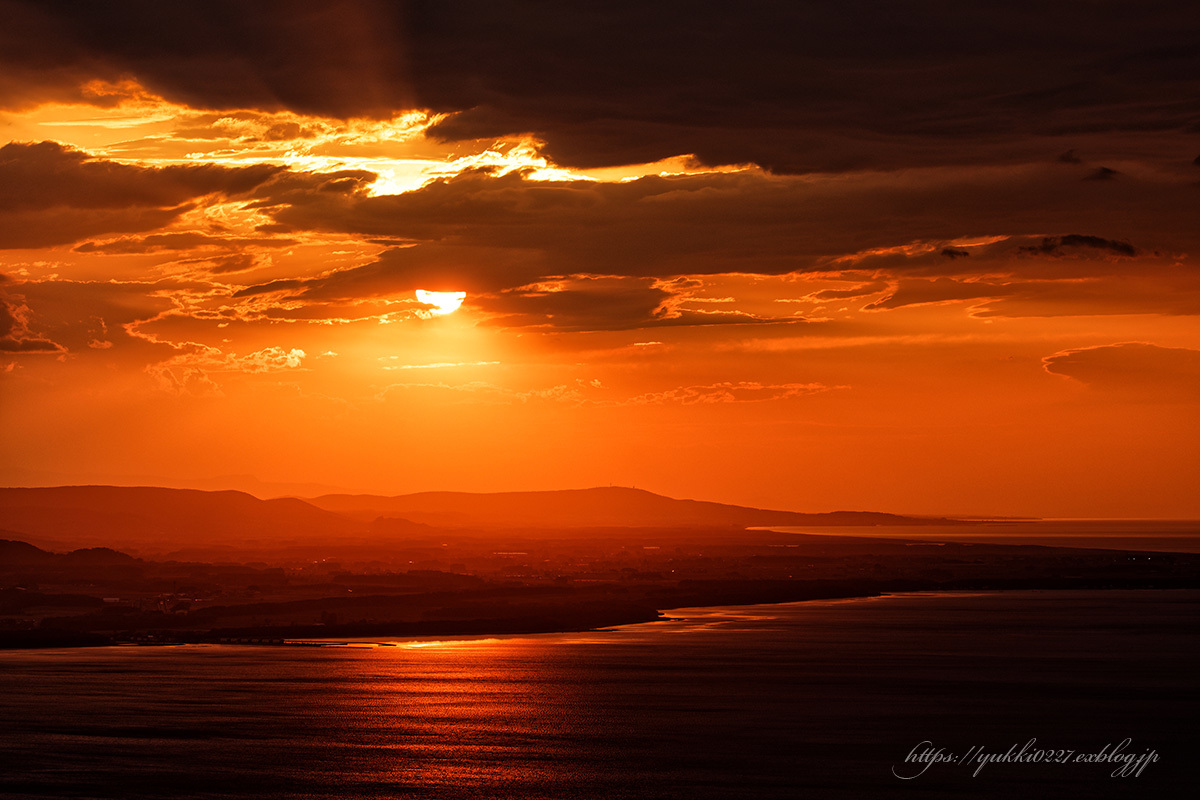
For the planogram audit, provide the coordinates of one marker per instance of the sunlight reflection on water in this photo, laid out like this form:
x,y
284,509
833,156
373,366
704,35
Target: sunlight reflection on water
x,y
753,701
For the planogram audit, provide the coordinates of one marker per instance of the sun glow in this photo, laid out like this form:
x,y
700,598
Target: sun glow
x,y
442,302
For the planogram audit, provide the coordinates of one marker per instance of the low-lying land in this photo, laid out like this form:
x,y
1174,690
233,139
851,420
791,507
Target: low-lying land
x,y
108,565
456,582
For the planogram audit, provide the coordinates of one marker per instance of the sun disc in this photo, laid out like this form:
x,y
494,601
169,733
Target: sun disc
x,y
442,302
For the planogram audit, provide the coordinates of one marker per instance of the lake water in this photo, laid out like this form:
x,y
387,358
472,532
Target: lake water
x,y
817,699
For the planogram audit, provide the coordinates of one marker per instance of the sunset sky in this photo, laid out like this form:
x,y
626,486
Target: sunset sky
x,y
921,257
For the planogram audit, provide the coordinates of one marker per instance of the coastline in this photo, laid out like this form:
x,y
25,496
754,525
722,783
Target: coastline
x,y
689,595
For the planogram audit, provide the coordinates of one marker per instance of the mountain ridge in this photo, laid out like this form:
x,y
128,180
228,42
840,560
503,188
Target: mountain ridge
x,y
603,506
159,519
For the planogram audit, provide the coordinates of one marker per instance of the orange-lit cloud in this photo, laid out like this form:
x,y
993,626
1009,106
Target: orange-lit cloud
x,y
1138,369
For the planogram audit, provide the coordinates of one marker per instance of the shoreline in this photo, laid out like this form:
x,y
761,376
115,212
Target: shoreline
x,y
321,636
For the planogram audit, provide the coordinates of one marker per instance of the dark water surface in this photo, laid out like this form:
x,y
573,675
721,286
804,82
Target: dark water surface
x,y
817,699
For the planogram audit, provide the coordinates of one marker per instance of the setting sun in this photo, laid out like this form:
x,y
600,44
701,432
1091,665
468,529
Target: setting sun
x,y
442,302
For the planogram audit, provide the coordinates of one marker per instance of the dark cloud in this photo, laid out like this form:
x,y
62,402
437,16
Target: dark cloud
x,y
1157,287
799,87
224,265
1057,245
289,285
1133,368
917,291
588,304
14,330
793,87
57,226
165,242
874,287
335,57
480,226
313,188
246,127
431,267
1102,174
48,174
1170,292
585,303
954,252
154,243
51,194
85,317
1070,157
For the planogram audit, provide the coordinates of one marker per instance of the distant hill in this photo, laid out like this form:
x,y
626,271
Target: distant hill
x,y
583,508
164,519
16,553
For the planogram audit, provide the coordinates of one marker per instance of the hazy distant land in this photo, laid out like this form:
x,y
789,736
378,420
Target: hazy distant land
x,y
158,520
1174,536
99,565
